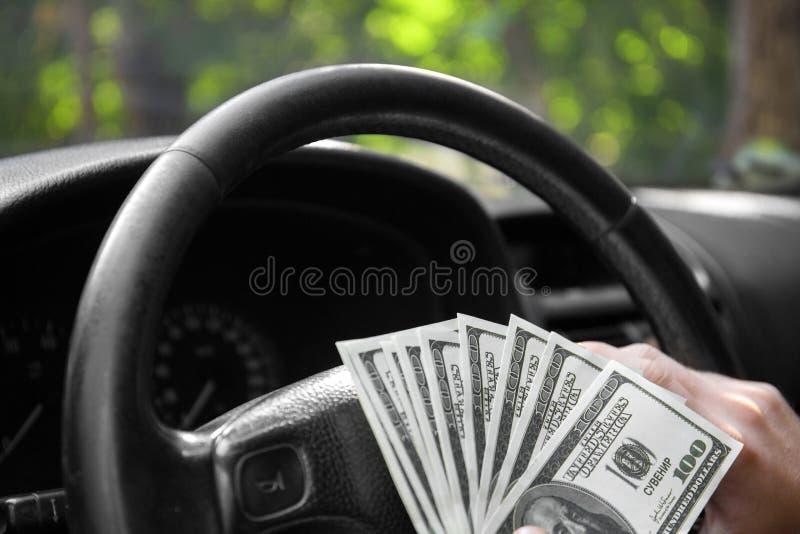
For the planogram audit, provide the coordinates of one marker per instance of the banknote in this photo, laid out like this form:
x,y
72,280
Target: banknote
x,y
520,360
441,357
572,368
420,392
485,427
405,466
431,458
481,357
385,365
566,370
409,354
625,460
400,390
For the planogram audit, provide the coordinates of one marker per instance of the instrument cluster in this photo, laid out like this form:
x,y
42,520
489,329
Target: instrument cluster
x,y
208,359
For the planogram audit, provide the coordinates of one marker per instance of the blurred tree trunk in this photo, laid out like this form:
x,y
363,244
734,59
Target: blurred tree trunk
x,y
154,95
517,40
766,77
77,18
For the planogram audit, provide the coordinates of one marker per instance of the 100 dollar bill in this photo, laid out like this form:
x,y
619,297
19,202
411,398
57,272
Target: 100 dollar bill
x,y
519,365
628,459
566,370
441,363
482,345
391,433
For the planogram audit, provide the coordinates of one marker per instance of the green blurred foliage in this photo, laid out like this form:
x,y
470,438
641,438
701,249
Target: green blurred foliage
x,y
640,85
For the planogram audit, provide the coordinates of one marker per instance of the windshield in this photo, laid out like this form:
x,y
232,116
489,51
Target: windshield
x,y
658,91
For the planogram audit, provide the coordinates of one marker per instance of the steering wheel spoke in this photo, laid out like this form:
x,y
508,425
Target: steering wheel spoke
x,y
303,457
178,486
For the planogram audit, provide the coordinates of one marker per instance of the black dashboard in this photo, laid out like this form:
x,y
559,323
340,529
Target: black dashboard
x,y
255,306
252,307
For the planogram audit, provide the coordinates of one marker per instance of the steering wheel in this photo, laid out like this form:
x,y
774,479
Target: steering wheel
x,y
303,457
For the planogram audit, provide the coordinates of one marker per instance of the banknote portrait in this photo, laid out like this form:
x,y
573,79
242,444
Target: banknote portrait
x,y
568,510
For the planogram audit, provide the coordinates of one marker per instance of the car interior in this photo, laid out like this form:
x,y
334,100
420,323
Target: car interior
x,y
332,204
167,304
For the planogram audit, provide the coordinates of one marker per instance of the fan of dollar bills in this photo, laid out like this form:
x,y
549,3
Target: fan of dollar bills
x,y
486,427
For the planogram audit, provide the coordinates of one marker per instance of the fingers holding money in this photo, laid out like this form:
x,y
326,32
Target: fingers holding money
x,y
656,366
466,410
628,444
749,412
701,389
753,413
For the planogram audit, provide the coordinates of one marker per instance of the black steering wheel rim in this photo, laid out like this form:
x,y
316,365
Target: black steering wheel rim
x,y
112,439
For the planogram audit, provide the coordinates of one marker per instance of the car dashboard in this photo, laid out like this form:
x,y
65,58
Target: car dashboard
x,y
241,322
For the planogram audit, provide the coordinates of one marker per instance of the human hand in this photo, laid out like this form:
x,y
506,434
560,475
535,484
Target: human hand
x,y
761,492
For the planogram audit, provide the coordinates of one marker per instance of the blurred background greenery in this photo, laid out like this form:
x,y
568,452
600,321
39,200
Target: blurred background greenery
x,y
643,87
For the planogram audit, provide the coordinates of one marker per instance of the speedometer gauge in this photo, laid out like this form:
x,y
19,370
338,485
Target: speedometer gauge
x,y
209,360
32,352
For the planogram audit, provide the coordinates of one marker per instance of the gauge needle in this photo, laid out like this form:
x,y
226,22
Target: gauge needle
x,y
26,426
198,404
